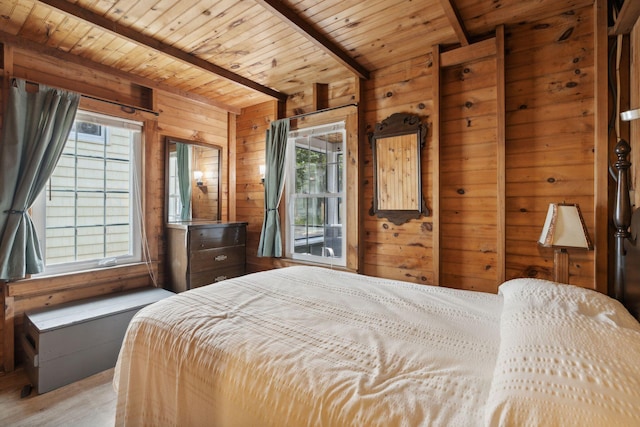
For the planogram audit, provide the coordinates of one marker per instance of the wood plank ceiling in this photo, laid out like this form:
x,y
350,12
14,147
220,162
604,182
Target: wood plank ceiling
x,y
240,53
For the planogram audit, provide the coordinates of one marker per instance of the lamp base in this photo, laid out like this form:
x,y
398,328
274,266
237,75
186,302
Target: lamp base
x,y
561,266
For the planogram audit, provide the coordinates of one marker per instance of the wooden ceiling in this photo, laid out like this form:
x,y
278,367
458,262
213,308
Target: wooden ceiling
x,y
240,53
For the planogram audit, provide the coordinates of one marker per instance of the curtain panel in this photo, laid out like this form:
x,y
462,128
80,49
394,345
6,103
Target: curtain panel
x,y
36,127
183,153
275,152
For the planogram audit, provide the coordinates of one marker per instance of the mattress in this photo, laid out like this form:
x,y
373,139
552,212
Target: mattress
x,y
306,346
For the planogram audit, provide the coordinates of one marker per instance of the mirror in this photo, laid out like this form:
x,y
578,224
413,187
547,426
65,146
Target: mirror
x,y
192,177
397,179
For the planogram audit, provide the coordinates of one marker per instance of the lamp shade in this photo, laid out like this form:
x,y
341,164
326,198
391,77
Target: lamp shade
x,y
564,227
630,115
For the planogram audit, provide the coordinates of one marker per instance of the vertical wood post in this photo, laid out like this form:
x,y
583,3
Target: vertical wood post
x,y
8,349
435,162
501,121
601,138
233,161
621,215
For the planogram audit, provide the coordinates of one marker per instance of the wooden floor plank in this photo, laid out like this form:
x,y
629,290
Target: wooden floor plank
x,y
89,402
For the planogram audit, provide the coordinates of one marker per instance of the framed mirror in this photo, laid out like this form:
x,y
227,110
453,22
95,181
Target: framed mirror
x,y
192,177
397,176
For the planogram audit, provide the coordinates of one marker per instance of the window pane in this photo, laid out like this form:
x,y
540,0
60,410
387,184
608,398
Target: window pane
x,y
90,209
89,149
63,177
90,243
117,210
60,245
333,240
59,204
302,171
315,212
119,146
117,175
317,181
90,174
118,240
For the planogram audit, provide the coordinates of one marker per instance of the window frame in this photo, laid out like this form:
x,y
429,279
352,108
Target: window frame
x,y
337,126
38,210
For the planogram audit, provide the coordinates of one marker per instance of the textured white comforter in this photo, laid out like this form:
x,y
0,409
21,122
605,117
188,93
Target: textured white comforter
x,y
310,346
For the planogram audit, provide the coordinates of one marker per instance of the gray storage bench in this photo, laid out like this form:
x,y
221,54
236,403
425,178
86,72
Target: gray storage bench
x,y
72,341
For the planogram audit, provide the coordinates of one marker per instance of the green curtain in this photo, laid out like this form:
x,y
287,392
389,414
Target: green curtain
x,y
184,180
36,127
276,148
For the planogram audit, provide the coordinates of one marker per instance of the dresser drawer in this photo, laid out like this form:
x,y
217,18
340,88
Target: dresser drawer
x,y
213,259
215,237
207,277
203,252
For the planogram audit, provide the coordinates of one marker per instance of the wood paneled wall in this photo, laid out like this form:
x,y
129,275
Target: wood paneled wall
x,y
178,116
403,252
549,156
469,175
251,127
490,210
634,101
550,137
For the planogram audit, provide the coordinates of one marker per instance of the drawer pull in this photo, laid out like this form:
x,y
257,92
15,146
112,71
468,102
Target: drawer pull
x,y
220,278
220,257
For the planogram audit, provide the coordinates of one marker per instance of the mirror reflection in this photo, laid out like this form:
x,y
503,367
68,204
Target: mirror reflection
x,y
193,181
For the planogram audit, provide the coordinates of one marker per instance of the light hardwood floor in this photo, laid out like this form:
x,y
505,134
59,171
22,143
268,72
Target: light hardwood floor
x,y
89,402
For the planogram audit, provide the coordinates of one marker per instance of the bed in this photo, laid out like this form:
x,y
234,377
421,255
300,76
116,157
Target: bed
x,y
309,346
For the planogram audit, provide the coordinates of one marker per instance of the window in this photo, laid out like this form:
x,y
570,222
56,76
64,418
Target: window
x,y
87,215
316,196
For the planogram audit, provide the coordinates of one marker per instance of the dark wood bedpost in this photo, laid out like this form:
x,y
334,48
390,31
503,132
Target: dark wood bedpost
x,y
621,215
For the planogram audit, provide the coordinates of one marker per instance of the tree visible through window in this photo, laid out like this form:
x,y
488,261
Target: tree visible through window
x,y
86,216
316,195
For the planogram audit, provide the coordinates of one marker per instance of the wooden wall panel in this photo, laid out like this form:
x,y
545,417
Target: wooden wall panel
x,y
402,252
251,126
634,101
194,121
337,94
550,138
469,214
178,116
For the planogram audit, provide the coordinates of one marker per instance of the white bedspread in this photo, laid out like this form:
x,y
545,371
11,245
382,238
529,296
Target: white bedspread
x,y
307,346
310,346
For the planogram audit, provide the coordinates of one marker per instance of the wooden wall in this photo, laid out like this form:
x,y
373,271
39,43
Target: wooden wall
x,y
178,116
634,101
549,72
546,97
251,126
550,148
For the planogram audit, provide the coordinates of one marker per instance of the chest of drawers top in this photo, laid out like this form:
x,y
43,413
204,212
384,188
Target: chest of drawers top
x,y
211,234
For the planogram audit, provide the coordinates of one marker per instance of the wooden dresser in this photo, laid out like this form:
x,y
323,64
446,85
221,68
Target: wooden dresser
x,y
204,252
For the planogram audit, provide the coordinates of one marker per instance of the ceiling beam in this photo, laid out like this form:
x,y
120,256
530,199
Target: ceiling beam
x,y
314,36
150,42
455,21
627,18
25,44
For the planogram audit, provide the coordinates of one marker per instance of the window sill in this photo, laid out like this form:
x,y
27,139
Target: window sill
x,y
288,262
115,277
